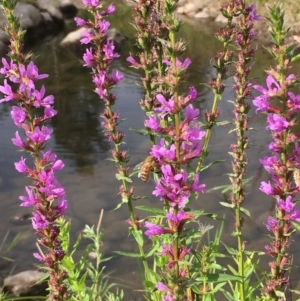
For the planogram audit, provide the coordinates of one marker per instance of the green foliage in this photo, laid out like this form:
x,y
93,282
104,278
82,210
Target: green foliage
x,y
86,278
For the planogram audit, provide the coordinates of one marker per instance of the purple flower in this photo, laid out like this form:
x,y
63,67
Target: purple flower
x,y
293,101
29,75
261,102
133,62
79,21
18,141
58,165
40,100
7,67
153,123
6,90
192,93
286,205
18,115
30,200
167,107
110,10
295,216
269,163
273,87
21,166
277,123
161,153
153,229
177,218
49,112
88,57
179,64
87,35
103,25
196,187
39,257
116,76
92,3
40,135
267,188
162,287
100,78
251,11
108,50
191,113
173,186
62,207
39,221
272,224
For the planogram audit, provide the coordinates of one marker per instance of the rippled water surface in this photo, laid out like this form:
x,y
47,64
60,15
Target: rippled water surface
x,y
89,178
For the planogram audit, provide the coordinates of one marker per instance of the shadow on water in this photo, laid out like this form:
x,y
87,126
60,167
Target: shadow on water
x,y
89,178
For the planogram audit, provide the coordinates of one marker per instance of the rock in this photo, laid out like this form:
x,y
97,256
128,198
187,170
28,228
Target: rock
x,y
212,11
68,9
180,10
28,14
116,36
72,40
53,8
221,19
26,284
190,9
202,15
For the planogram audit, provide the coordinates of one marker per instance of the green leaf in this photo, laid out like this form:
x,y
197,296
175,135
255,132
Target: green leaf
x,y
118,206
296,225
138,237
222,278
155,211
128,254
212,163
223,122
121,178
229,205
153,250
68,263
142,132
206,85
246,211
296,58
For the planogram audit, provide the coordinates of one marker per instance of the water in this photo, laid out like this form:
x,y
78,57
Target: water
x,y
89,178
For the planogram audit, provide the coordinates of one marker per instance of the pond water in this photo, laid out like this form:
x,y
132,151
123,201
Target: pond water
x,y
89,178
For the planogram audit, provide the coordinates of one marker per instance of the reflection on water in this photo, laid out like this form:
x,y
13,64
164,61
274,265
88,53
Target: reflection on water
x,y
89,178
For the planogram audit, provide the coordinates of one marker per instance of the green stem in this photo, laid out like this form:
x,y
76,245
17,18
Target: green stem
x,y
131,209
177,134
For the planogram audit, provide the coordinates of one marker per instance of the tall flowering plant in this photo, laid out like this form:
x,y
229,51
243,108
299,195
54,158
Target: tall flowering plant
x,y
281,106
31,111
99,56
181,271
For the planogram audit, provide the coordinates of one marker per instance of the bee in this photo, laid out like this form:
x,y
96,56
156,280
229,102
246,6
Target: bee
x,y
296,176
149,165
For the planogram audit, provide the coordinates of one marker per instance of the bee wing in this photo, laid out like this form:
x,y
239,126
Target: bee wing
x,y
137,169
